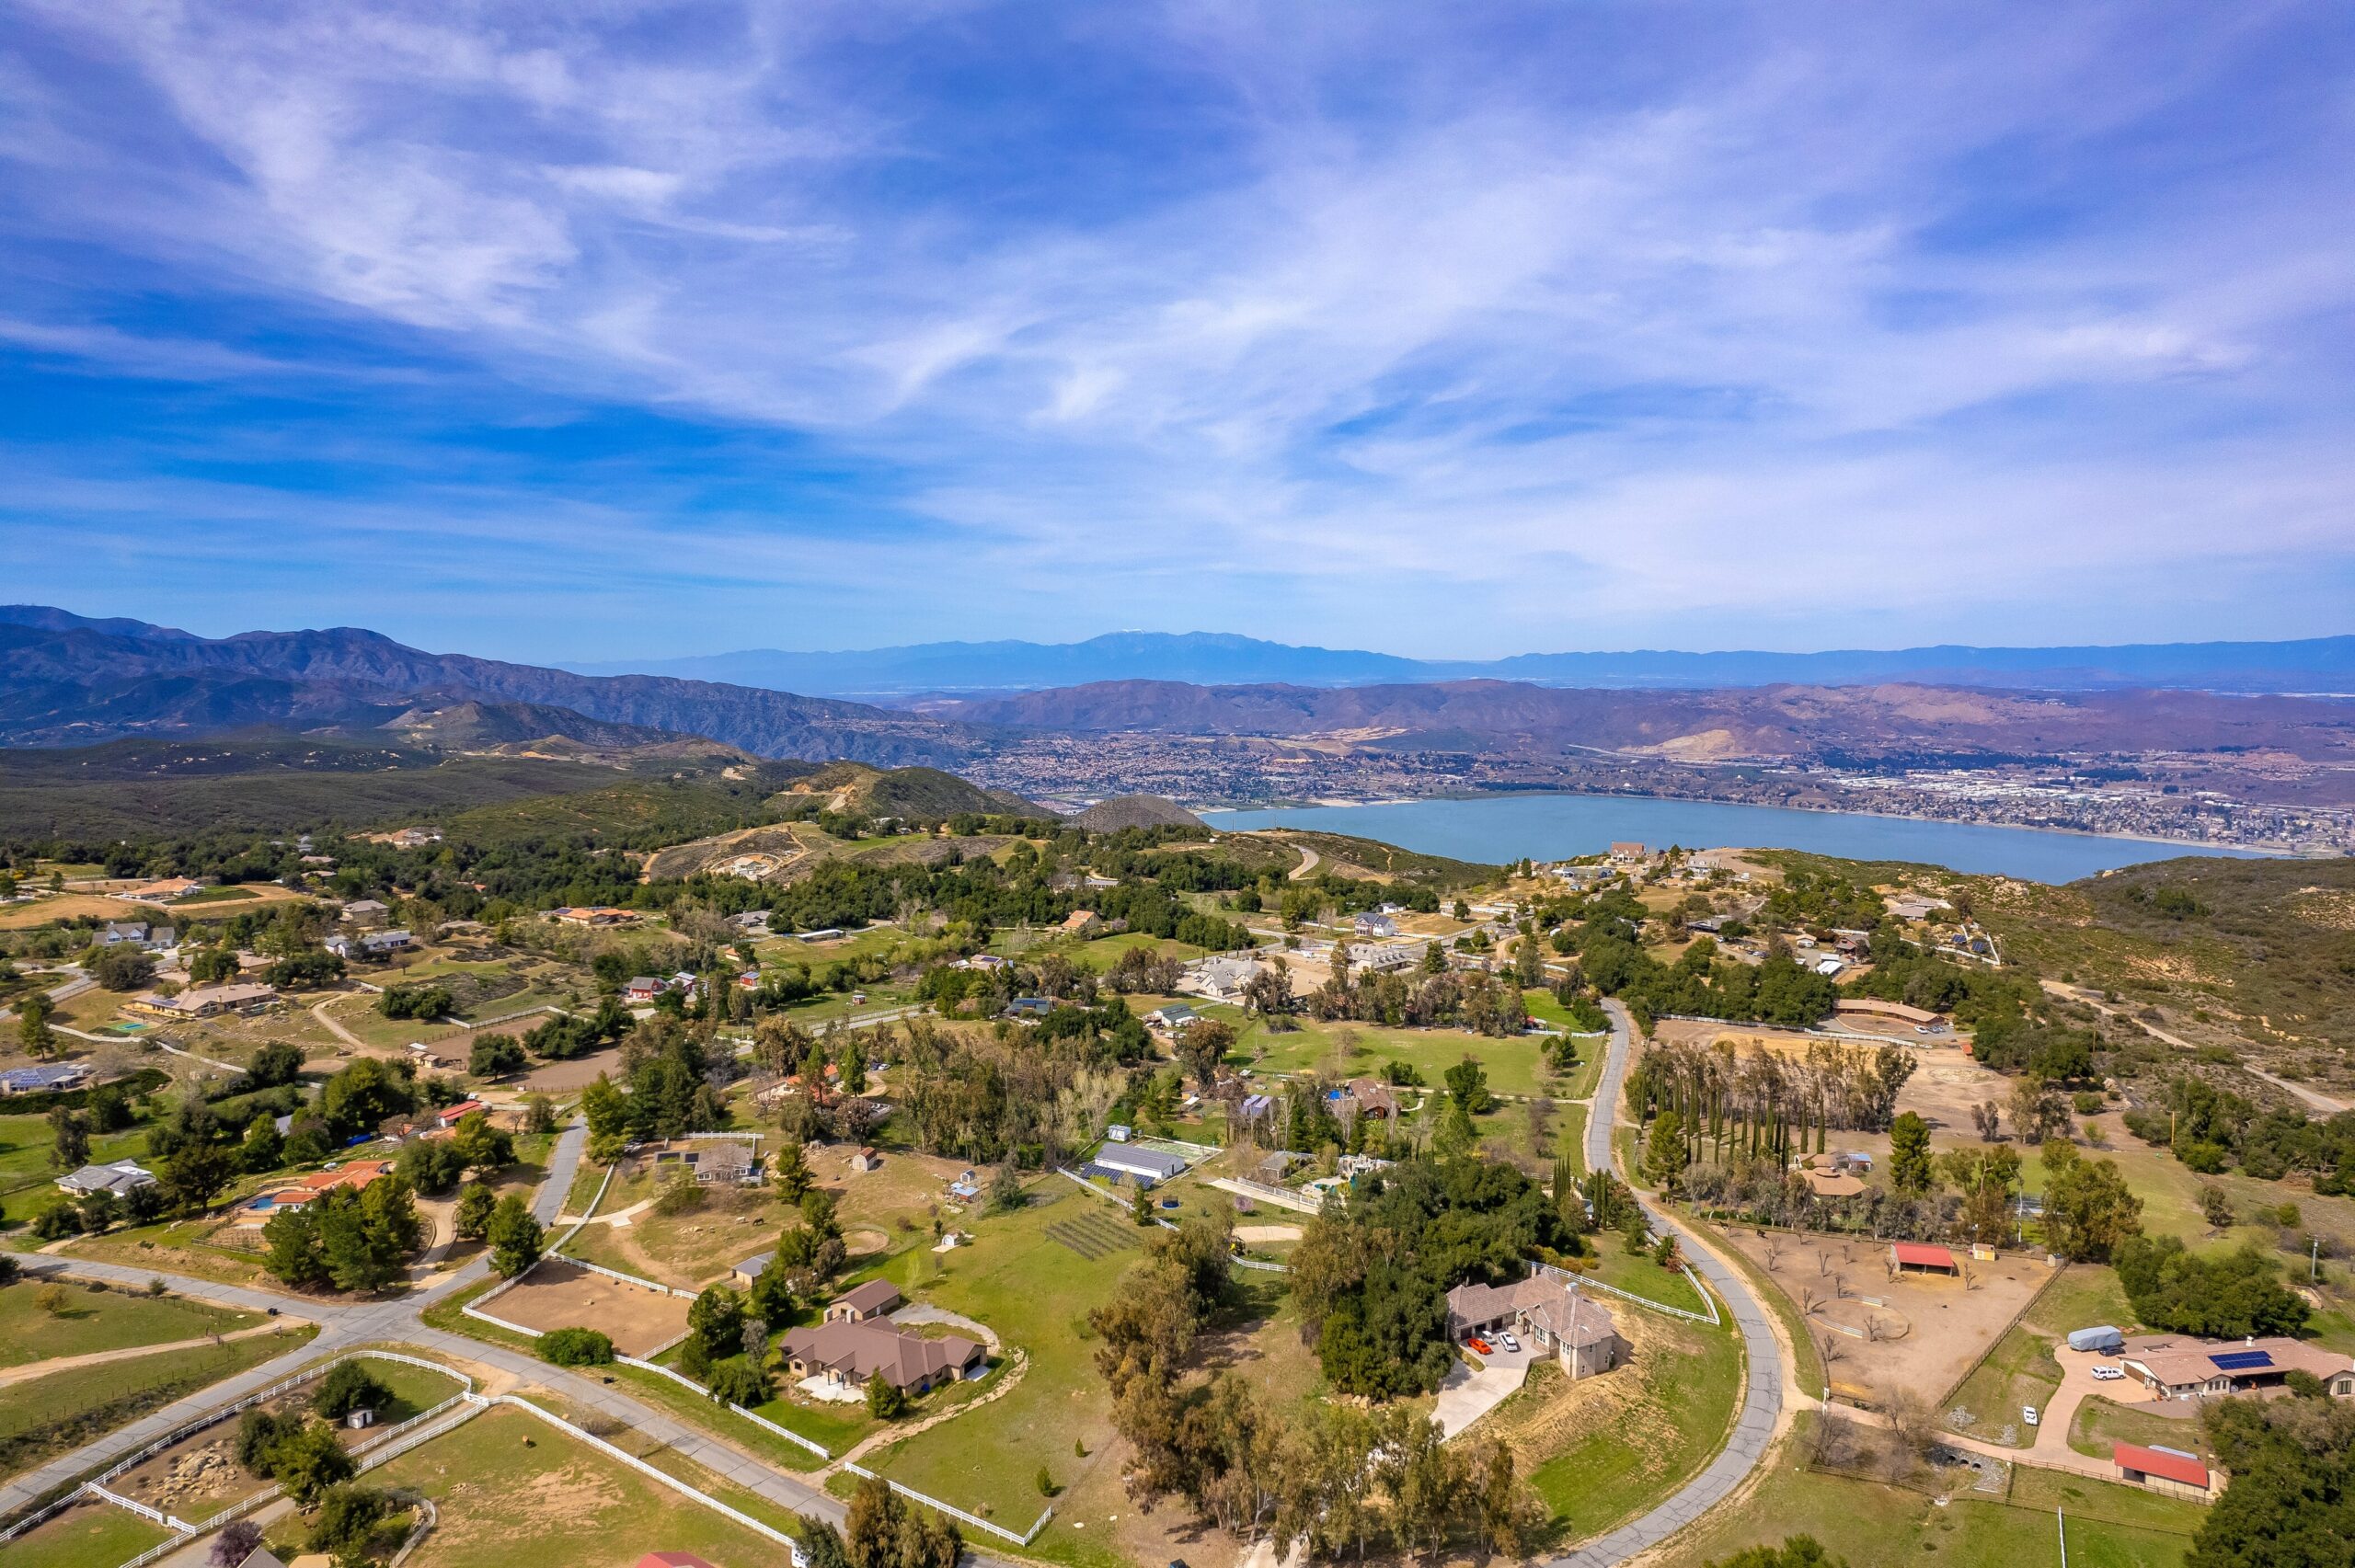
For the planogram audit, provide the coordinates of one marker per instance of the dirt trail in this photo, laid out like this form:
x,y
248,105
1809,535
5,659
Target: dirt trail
x,y
67,1363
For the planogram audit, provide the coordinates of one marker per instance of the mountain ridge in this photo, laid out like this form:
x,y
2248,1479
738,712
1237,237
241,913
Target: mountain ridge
x,y
2311,664
67,680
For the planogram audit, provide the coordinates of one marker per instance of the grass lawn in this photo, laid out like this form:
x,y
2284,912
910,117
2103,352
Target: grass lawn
x,y
2100,1422
512,1489
1516,1065
2080,1295
1569,1135
1635,1446
1615,1266
178,1246
25,1144
2110,1526
413,1389
88,1535
93,1321
696,1411
1037,1294
2019,1371
44,1416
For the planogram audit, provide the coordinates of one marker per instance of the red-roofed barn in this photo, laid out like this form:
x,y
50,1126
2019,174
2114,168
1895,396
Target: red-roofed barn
x,y
2163,1470
1903,1255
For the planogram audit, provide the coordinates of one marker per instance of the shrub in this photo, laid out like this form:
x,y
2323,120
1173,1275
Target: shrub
x,y
348,1515
884,1401
350,1387
576,1347
739,1382
260,1431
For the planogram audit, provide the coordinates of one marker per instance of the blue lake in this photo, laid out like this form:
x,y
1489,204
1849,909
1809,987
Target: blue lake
x,y
1555,826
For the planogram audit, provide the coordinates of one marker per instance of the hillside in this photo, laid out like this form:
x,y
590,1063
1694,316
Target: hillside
x,y
1343,855
2258,953
273,791
65,681
1135,811
916,795
1807,722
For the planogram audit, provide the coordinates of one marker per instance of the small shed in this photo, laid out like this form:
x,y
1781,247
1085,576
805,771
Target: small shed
x,y
2101,1341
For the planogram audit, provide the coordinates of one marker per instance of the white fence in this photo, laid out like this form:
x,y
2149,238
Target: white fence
x,y
1283,1197
661,1476
142,1509
763,1422
936,1503
376,1450
1586,1282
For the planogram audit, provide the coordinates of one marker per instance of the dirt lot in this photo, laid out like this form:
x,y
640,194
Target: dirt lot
x,y
1934,1329
566,1077
558,1295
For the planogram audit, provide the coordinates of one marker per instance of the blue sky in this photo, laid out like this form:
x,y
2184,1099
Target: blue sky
x,y
611,331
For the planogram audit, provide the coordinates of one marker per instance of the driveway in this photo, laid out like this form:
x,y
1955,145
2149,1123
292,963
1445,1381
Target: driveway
x,y
1466,1395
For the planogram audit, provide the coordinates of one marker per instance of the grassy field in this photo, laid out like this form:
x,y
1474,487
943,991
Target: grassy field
x,y
44,1416
1654,1423
88,1535
512,1489
1037,1294
1615,1266
1515,1066
97,1320
2019,1371
1869,1523
25,1144
2100,1422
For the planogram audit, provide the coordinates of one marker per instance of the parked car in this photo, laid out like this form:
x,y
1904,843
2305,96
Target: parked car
x,y
1509,1342
2027,1414
2107,1374
1478,1346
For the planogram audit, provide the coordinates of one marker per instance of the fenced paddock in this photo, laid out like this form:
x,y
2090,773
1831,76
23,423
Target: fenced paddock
x,y
560,1294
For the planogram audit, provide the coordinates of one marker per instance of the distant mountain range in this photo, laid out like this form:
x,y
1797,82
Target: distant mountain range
x,y
70,680
66,679
2325,665
1812,723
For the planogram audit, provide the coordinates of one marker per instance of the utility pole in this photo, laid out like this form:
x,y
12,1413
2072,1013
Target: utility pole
x,y
2063,1521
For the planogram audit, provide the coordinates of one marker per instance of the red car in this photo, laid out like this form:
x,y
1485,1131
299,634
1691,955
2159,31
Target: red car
x,y
1478,1346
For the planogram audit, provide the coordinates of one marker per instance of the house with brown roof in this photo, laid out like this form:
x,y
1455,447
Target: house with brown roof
x,y
1369,1097
203,1001
2182,1367
847,1352
875,1298
1549,1309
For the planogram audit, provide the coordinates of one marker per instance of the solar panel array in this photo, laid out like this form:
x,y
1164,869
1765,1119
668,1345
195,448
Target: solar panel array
x,y
2241,1360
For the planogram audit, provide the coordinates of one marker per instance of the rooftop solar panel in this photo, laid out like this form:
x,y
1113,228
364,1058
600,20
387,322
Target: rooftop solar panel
x,y
2241,1360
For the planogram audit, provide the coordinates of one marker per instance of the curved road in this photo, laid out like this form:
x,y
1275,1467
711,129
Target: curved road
x,y
1761,1401
342,1325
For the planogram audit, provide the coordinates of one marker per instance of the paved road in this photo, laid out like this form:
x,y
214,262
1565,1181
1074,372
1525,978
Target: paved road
x,y
1761,1401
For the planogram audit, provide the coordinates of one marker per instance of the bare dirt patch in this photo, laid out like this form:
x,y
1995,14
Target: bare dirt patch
x,y
1841,1283
559,1295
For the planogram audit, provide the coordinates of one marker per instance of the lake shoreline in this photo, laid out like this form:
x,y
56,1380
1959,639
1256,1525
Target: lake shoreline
x,y
2189,846
1500,827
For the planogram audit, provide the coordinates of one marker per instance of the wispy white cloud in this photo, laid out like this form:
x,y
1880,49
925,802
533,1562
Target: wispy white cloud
x,y
1345,307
